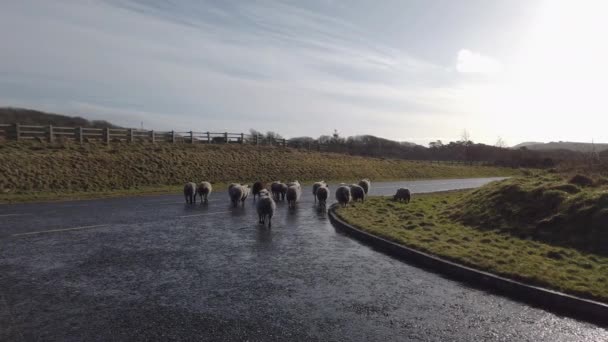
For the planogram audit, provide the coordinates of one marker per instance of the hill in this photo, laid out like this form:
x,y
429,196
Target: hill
x,y
562,145
23,116
34,168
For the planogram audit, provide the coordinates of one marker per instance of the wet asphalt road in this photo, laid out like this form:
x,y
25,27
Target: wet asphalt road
x,y
151,268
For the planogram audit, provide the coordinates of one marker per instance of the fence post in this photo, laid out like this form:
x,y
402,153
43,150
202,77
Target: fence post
x,y
191,137
284,142
208,138
226,137
17,132
242,138
173,137
80,135
153,136
50,133
107,135
130,139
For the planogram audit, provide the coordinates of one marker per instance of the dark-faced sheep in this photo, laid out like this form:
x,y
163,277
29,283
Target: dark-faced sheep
x,y
235,192
265,207
403,194
283,191
365,184
343,195
315,187
357,192
190,193
203,190
278,190
294,190
256,188
322,195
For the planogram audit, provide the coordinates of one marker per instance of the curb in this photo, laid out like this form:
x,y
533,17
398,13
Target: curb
x,y
553,301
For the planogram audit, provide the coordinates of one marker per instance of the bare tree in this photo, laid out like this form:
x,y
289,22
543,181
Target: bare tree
x,y
500,143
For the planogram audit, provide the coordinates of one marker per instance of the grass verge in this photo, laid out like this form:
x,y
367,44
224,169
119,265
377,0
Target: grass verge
x,y
426,224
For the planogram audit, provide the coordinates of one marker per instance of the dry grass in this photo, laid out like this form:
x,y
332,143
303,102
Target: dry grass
x,y
64,169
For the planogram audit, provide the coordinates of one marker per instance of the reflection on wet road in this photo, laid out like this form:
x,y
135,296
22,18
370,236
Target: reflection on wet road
x,y
155,268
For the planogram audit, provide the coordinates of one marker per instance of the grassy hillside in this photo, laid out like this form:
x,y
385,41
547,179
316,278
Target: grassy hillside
x,y
10,115
566,210
427,224
64,168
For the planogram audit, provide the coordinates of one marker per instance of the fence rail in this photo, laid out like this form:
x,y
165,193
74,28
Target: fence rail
x,y
52,133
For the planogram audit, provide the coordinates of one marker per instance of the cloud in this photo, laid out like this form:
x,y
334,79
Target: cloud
x,y
474,62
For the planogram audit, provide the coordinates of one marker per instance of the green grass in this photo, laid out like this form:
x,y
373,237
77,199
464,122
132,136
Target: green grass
x,y
42,171
426,224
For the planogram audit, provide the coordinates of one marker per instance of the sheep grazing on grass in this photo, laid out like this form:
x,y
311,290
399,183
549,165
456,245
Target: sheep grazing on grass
x,y
365,184
279,190
237,192
203,190
315,187
343,195
294,191
322,195
265,207
256,188
190,193
403,194
357,192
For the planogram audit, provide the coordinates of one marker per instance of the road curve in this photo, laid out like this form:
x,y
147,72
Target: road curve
x,y
147,268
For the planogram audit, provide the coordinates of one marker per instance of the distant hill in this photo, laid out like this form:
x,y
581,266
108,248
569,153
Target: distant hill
x,y
23,116
562,145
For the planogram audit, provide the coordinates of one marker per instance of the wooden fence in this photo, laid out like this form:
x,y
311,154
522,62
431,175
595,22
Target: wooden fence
x,y
51,133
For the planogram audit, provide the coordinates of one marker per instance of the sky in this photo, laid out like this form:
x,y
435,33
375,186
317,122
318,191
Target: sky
x,y
408,70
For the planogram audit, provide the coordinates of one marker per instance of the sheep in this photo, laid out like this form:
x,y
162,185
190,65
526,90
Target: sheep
x,y
277,190
236,192
322,194
365,184
283,192
203,190
294,190
316,186
190,193
265,207
403,194
357,192
343,195
246,191
256,188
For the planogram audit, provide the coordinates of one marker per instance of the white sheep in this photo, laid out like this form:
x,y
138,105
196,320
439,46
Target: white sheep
x,y
294,191
236,192
366,184
265,207
315,187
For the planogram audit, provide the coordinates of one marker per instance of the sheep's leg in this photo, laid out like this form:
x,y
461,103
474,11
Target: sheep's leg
x,y
269,221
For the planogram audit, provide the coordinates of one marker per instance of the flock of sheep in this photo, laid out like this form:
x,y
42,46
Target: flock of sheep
x,y
266,200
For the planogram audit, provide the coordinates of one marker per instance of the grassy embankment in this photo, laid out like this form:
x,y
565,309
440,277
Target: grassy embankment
x,y
541,229
38,171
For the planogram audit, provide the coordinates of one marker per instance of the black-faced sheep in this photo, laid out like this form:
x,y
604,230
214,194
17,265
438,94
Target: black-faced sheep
x,y
365,184
265,207
316,186
343,195
203,190
256,188
278,190
190,193
403,194
322,195
357,192
294,190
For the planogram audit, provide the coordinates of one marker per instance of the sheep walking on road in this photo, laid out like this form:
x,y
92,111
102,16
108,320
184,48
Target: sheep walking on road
x,y
265,207
279,190
365,184
403,194
343,195
357,192
246,191
322,195
256,188
315,187
190,193
294,191
237,192
203,190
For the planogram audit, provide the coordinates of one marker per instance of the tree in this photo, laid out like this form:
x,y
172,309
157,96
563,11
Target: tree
x,y
500,143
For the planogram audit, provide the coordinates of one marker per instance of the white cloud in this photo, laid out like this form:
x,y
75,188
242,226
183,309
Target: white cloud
x,y
474,62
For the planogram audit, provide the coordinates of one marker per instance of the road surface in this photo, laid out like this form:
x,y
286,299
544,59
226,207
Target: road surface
x,y
146,268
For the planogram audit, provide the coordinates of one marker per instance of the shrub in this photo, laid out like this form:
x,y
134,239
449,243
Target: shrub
x,y
581,180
